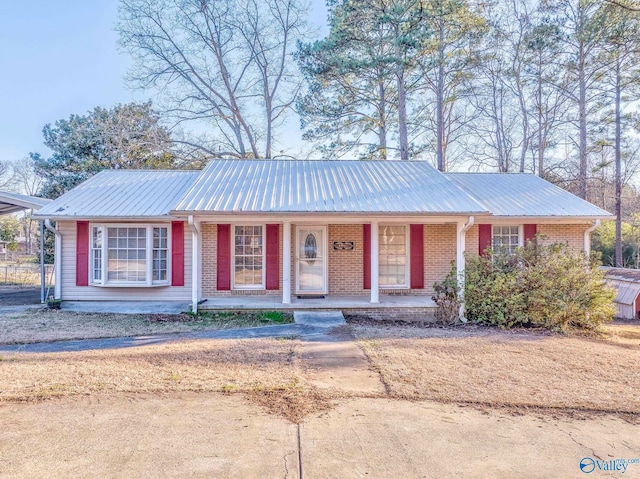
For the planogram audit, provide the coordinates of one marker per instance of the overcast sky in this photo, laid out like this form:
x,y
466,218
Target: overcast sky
x,y
58,58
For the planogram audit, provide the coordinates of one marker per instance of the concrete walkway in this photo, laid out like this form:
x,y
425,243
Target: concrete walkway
x,y
225,436
305,327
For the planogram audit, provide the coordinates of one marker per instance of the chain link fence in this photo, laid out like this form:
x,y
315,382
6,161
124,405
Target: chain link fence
x,y
24,275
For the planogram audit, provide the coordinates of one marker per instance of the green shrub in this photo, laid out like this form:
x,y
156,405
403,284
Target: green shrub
x,y
547,286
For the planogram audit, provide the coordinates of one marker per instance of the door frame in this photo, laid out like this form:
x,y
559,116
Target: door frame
x,y
296,259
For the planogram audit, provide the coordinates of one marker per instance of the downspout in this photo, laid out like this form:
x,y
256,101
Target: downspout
x,y
587,237
57,259
460,262
195,235
43,272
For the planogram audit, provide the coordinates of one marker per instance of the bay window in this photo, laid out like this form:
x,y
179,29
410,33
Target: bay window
x,y
129,255
248,257
393,256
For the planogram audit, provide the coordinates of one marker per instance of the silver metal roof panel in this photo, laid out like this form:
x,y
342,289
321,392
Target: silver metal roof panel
x,y
14,202
123,193
521,194
325,186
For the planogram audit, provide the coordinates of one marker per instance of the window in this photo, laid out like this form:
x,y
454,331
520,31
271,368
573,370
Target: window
x,y
393,256
120,255
505,239
248,257
160,251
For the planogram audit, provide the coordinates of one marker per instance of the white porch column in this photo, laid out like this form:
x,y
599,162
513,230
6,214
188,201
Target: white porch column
x,y
375,266
461,238
195,264
286,262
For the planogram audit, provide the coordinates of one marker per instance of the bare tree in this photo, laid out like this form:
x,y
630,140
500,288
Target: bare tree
x,y
5,178
224,62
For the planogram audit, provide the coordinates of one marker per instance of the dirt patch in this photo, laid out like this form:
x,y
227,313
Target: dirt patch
x,y
42,325
293,401
522,369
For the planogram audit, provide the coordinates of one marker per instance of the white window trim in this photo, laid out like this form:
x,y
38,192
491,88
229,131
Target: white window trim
x,y
510,225
105,283
259,287
407,273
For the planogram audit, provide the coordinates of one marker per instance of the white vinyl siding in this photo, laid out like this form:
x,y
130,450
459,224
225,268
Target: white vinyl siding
x,y
71,292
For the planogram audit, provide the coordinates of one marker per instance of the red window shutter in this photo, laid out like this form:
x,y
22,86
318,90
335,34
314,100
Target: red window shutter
x,y
273,257
82,253
224,258
530,233
177,253
416,252
366,256
484,238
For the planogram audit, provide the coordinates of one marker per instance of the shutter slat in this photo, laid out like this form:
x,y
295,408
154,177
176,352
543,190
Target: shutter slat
x,y
366,256
530,232
416,252
177,253
272,273
484,238
82,253
224,258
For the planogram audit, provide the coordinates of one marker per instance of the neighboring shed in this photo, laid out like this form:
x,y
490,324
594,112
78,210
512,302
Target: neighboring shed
x,y
627,283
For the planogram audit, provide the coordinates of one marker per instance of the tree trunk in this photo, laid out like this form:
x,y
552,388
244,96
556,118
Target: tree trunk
x,y
582,122
540,120
382,122
440,101
403,136
618,199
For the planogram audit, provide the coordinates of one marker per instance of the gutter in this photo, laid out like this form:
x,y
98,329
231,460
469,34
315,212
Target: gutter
x,y
57,259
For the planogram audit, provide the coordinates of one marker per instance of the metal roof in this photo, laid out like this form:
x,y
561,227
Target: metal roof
x,y
626,281
521,194
14,202
325,186
123,193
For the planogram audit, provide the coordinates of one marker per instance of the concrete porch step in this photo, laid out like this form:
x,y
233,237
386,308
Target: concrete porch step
x,y
327,319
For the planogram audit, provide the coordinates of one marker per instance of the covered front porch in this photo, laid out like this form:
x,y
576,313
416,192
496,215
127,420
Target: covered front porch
x,y
251,302
325,263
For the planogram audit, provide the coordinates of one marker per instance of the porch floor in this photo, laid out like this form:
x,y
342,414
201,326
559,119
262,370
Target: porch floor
x,y
328,302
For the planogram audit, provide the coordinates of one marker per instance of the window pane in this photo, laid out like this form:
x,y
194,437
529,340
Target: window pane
x,y
159,268
248,253
126,254
393,256
505,239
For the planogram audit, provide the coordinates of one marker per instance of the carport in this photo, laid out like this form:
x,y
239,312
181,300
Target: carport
x,y
14,203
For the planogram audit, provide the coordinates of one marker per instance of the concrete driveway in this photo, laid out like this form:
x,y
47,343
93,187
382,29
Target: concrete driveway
x,y
225,436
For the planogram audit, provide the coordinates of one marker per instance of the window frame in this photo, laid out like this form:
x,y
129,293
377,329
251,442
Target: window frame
x,y
262,286
148,283
407,272
507,225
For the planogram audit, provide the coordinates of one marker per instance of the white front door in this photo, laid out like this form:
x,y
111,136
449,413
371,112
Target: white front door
x,y
311,260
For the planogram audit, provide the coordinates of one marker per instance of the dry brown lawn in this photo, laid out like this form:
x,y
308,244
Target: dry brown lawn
x,y
522,368
41,325
470,365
